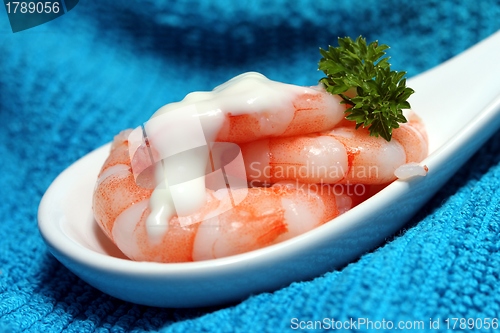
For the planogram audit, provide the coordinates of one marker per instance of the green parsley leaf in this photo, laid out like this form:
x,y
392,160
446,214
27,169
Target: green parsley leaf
x,y
376,95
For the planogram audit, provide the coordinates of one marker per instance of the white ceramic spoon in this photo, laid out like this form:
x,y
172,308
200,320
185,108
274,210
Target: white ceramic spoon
x,y
460,105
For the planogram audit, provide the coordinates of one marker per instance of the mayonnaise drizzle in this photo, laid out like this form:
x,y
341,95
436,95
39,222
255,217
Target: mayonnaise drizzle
x,y
176,129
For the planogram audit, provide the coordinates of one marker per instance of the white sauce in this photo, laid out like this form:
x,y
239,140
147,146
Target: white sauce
x,y
177,128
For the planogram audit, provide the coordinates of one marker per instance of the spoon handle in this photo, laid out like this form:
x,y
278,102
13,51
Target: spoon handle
x,y
452,95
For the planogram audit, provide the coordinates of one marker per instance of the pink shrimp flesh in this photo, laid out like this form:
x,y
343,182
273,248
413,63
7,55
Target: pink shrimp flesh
x,y
251,107
292,139
342,155
313,110
266,215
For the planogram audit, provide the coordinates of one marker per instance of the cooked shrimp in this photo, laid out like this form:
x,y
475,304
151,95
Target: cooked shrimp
x,y
265,216
341,155
244,109
251,107
156,202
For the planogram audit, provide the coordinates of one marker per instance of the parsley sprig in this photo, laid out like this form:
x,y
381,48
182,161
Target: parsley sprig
x,y
376,95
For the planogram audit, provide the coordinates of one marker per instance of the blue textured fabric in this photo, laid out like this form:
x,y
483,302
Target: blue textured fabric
x,y
69,85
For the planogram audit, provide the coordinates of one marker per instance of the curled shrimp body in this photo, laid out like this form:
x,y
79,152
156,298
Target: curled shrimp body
x,y
246,108
251,107
341,155
155,200
266,216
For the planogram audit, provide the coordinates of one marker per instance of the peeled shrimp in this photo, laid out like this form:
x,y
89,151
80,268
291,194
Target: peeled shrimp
x,y
265,216
246,108
251,107
151,215
342,155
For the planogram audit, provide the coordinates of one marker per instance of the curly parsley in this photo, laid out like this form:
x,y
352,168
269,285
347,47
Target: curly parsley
x,y
376,95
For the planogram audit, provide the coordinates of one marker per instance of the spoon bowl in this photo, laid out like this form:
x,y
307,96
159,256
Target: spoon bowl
x,y
459,103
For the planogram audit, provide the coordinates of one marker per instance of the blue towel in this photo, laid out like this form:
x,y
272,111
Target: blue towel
x,y
67,86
